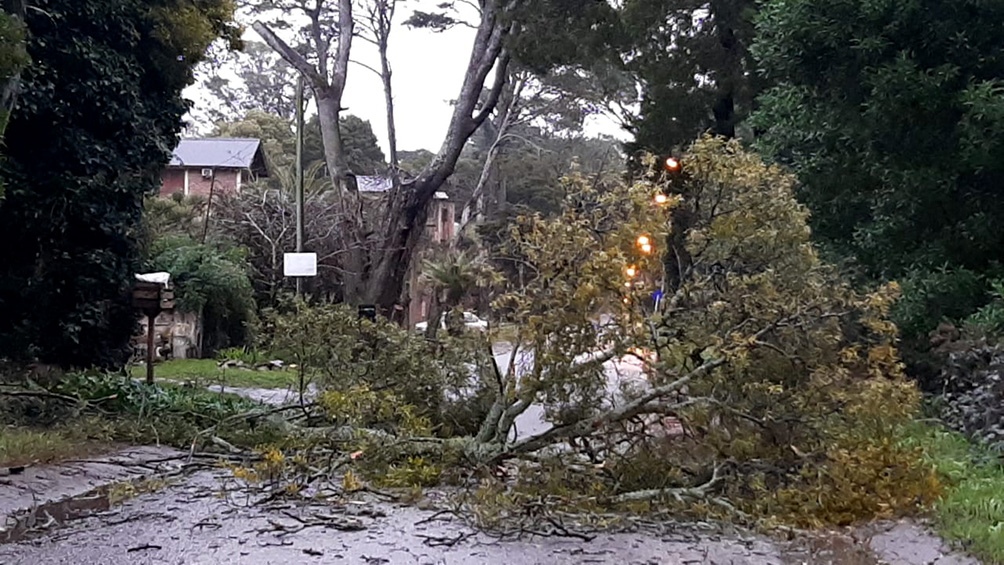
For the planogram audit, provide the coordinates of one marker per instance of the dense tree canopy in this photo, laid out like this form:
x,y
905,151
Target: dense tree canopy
x,y
92,129
362,151
692,61
263,82
892,115
529,176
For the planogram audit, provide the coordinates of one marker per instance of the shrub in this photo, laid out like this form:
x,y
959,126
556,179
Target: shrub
x,y
989,319
930,297
212,282
173,415
344,354
971,399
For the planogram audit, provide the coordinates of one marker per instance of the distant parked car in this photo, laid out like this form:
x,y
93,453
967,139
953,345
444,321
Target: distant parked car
x,y
471,322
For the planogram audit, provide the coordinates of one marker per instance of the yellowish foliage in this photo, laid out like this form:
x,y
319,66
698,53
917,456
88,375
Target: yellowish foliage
x,y
787,379
414,472
119,492
870,479
361,406
808,391
351,482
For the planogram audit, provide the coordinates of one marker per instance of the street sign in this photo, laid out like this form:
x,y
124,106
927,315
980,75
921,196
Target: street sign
x,y
299,264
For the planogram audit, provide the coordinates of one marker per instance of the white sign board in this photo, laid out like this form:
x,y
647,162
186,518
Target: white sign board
x,y
299,264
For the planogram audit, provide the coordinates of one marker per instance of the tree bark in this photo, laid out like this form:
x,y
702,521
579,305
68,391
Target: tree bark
x,y
435,312
508,110
409,207
386,18
388,93
728,20
328,85
328,111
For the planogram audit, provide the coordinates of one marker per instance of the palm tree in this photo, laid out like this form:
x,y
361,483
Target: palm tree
x,y
314,179
452,275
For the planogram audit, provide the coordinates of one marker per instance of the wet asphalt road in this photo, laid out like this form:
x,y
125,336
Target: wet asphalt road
x,y
192,523
189,524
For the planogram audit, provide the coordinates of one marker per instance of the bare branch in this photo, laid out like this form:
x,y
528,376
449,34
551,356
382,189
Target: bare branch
x,y
623,412
298,61
496,91
679,494
367,67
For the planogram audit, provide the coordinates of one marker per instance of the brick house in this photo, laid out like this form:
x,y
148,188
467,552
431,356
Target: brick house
x,y
219,164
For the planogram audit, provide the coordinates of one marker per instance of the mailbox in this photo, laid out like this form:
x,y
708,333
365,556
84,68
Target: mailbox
x,y
147,296
152,294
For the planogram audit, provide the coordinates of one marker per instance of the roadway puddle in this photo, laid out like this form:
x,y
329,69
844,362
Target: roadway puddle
x,y
42,518
831,549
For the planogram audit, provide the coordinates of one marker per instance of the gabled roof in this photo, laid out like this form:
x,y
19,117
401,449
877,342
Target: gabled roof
x,y
381,183
220,152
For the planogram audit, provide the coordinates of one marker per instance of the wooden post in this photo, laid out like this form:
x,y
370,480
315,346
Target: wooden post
x,y
151,299
299,176
151,318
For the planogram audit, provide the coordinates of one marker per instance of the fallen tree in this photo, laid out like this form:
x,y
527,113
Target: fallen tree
x,y
780,384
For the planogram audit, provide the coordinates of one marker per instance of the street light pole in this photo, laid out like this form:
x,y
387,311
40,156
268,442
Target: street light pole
x,y
299,176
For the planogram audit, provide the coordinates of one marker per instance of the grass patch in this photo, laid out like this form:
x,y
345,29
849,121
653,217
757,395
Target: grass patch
x,y
22,446
39,430
208,372
971,510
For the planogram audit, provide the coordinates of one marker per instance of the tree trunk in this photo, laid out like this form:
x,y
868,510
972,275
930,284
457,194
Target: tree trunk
x,y
435,312
328,113
729,22
388,93
406,226
409,207
377,264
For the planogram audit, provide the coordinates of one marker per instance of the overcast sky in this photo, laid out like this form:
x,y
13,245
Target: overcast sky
x,y
428,70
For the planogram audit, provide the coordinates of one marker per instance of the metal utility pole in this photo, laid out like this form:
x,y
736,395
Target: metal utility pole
x,y
299,176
